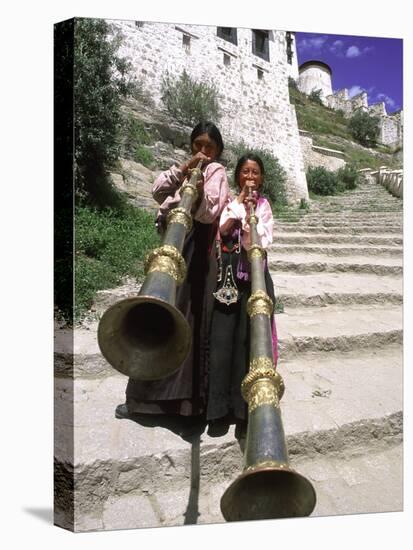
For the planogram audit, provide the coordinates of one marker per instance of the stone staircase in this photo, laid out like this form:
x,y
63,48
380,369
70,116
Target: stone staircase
x,y
338,277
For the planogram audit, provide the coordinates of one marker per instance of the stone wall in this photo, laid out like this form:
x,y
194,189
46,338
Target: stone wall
x,y
391,126
391,129
320,156
253,92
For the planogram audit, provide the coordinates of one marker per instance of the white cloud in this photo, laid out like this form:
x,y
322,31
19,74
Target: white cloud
x,y
353,51
355,90
368,49
387,99
337,47
315,43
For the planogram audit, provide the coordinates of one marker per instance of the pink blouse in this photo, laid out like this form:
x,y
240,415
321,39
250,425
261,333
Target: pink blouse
x,y
166,192
236,211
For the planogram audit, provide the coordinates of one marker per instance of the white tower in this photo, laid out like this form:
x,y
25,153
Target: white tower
x,y
315,75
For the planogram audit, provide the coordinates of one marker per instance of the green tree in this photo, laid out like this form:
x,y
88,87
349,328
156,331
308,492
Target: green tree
x,y
315,96
101,79
364,128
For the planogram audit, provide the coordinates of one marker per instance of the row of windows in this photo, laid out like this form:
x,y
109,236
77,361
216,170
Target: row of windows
x,y
260,41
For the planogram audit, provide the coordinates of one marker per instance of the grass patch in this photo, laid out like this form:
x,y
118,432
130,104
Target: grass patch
x,y
109,244
328,124
313,117
357,156
144,156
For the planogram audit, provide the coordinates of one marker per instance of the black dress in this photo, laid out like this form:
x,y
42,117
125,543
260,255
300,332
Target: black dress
x,y
230,343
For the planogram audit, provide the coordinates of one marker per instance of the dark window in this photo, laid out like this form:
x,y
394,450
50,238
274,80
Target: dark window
x,y
260,74
139,24
228,33
186,42
289,40
260,44
227,59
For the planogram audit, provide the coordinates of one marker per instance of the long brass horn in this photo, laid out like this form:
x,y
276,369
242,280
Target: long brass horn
x,y
267,488
146,337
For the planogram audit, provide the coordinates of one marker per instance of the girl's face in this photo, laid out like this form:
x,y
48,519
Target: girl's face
x,y
250,171
204,144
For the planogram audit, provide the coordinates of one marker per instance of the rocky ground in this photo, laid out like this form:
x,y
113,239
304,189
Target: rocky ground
x,y
337,271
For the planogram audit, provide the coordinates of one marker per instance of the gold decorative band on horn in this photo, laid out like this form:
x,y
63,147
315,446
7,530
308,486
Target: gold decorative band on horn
x,y
267,464
190,188
263,392
180,215
253,219
166,259
256,251
262,369
259,303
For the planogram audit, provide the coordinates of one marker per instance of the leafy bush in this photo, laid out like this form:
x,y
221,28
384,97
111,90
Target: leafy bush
x,y
189,101
292,83
315,96
324,182
144,156
275,175
349,176
101,79
321,181
109,245
364,128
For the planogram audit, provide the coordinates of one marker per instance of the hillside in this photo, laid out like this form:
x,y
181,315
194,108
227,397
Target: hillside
x,y
329,128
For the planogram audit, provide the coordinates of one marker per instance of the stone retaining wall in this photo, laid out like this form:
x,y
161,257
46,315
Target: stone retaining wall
x,y
320,156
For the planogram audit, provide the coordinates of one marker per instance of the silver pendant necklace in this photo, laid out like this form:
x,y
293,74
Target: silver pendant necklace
x,y
228,294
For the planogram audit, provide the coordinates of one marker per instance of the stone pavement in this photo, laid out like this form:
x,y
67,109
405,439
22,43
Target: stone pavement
x,y
338,275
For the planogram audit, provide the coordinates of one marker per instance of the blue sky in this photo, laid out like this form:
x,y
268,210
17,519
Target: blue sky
x,y
359,63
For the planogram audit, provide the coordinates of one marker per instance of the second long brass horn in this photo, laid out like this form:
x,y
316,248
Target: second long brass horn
x,y
268,488
146,337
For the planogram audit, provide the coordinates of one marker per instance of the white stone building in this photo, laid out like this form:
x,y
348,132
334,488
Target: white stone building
x,y
313,76
250,68
317,75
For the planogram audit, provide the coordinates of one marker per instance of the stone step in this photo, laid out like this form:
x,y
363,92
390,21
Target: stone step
x,y
336,328
347,217
304,263
302,238
337,250
334,410
366,482
293,290
365,201
354,229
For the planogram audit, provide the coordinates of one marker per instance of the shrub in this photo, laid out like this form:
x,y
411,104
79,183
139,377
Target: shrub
x,y
144,156
101,78
349,176
275,175
292,83
304,204
315,96
321,181
364,128
189,101
109,245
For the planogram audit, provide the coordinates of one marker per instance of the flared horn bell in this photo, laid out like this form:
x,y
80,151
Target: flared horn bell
x,y
147,337
268,493
144,337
